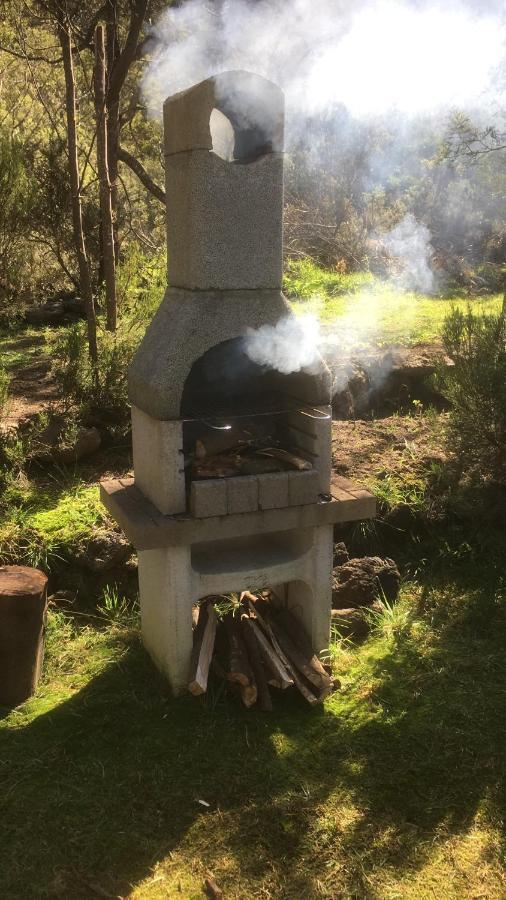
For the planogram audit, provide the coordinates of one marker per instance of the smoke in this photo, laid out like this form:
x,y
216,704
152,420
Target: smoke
x,y
296,343
372,56
289,346
409,243
348,66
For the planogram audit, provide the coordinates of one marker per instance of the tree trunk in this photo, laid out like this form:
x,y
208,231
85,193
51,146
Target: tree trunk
x,y
65,38
107,229
119,63
113,123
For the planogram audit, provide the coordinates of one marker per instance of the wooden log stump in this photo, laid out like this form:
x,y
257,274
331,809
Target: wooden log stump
x,y
23,603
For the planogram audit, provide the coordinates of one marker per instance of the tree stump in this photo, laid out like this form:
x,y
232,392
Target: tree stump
x,y
22,617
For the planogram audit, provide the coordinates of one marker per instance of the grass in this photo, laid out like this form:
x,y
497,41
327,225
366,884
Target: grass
x,y
20,345
367,311
40,524
394,789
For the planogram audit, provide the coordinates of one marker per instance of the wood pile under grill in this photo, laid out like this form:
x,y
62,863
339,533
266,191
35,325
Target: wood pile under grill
x,y
255,646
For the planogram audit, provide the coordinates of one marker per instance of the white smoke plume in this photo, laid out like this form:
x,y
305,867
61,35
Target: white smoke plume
x,y
372,56
409,243
289,346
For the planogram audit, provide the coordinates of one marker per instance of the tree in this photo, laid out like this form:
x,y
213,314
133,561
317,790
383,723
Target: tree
x,y
472,143
64,31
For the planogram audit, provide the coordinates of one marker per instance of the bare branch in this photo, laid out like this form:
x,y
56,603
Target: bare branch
x,y
143,176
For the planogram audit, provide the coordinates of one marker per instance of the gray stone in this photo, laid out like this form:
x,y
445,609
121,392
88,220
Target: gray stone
x,y
354,622
87,441
208,498
105,550
273,491
224,184
303,487
241,96
242,494
224,231
185,326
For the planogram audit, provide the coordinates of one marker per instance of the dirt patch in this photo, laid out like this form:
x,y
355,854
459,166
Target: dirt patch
x,y
32,388
393,445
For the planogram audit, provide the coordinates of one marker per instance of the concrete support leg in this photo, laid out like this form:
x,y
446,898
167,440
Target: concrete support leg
x,y
166,595
311,600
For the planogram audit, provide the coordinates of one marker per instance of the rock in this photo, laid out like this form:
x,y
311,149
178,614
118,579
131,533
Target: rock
x,y
52,445
404,517
64,308
50,313
341,554
354,622
359,582
105,550
74,306
87,441
50,435
389,379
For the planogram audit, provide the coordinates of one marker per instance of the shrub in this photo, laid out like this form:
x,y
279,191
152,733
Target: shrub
x,y
141,280
103,389
476,388
16,200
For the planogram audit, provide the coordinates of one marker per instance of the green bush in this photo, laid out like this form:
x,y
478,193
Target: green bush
x,y
476,388
103,388
141,280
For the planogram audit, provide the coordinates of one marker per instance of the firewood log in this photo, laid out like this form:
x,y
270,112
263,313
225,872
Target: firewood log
x,y
239,665
264,697
319,679
203,645
272,662
298,680
296,462
295,631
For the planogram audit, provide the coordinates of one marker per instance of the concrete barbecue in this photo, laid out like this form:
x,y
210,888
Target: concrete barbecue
x,y
232,460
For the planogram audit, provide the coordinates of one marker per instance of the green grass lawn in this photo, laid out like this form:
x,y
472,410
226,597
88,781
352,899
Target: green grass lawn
x,y
371,311
394,789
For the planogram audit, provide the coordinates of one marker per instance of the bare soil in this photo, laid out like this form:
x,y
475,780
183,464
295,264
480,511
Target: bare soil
x,y
32,385
365,449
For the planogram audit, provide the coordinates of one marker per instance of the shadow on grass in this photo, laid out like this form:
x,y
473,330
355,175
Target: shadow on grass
x,y
100,789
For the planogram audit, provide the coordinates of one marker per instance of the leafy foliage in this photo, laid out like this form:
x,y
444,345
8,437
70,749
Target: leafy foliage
x,y
141,279
16,201
476,387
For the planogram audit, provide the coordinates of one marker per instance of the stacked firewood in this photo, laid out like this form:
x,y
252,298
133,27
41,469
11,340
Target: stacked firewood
x,y
256,646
